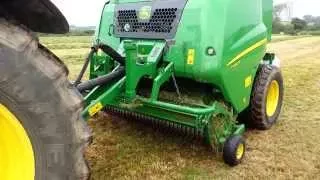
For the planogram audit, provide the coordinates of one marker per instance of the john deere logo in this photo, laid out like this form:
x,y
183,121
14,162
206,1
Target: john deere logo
x,y
145,13
127,27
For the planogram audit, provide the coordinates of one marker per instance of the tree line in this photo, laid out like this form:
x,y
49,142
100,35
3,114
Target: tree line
x,y
307,25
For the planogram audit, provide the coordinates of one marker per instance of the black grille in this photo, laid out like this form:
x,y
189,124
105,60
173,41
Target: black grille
x,y
162,24
161,21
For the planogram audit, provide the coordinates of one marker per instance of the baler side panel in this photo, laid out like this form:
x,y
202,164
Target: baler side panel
x,y
104,33
268,15
245,45
230,30
201,26
188,36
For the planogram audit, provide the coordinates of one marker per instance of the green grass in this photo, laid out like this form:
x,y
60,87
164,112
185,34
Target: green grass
x,y
71,49
278,38
123,149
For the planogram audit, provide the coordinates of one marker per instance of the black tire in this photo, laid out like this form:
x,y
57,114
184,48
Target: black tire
x,y
230,149
34,87
256,115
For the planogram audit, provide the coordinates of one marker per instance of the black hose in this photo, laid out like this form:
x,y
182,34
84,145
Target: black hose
x,y
89,85
112,53
115,74
85,66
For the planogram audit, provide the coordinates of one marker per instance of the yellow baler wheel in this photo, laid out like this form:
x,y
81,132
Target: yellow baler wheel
x,y
272,98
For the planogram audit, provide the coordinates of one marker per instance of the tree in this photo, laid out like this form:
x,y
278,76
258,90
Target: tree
x,y
317,21
278,9
298,24
278,26
309,18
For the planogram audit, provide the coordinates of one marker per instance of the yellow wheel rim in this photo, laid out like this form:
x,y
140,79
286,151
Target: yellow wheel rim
x,y
16,153
240,151
272,98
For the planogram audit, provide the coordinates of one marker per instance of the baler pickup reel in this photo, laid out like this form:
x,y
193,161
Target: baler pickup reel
x,y
139,61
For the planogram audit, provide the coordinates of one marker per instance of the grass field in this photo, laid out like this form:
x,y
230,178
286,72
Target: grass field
x,y
291,150
72,50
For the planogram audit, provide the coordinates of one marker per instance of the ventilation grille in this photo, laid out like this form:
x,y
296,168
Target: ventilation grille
x,y
161,21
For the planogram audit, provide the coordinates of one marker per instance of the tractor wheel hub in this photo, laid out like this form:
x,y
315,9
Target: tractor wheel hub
x,y
272,98
16,153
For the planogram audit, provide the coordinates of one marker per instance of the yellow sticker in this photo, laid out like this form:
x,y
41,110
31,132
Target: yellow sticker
x,y
248,82
191,55
95,109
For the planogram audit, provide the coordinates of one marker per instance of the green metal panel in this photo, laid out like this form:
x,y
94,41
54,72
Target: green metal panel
x,y
142,59
230,30
268,15
100,64
104,32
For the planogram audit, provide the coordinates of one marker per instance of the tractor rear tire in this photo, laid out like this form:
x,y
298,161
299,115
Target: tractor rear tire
x,y
35,90
266,99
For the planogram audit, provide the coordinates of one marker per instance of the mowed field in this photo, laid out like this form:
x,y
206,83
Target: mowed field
x,y
122,149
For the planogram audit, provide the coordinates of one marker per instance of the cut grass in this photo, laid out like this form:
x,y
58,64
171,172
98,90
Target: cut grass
x,y
66,39
278,38
123,149
71,49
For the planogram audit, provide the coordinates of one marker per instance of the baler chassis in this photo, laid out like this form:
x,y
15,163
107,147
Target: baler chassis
x,y
214,121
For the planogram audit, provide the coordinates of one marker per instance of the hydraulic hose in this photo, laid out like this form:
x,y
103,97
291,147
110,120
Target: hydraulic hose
x,y
85,66
106,49
112,53
88,85
117,73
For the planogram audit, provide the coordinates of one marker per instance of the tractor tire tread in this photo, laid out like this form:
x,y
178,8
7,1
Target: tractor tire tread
x,y
46,64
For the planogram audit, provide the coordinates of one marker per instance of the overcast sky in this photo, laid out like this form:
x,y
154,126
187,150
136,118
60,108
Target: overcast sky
x,y
87,12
